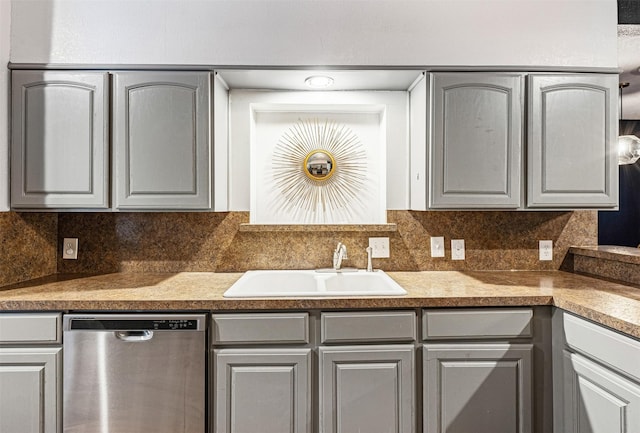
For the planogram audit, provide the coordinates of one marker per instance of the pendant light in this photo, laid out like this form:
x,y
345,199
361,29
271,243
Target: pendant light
x,y
628,145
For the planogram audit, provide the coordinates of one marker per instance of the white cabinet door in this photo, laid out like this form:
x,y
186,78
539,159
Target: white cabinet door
x,y
29,390
597,400
367,389
262,390
60,139
479,388
476,158
162,140
572,130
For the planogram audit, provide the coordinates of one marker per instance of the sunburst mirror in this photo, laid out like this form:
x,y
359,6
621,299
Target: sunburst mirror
x,y
319,166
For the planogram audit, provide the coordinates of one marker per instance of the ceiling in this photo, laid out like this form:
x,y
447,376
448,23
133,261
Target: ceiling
x,y
294,79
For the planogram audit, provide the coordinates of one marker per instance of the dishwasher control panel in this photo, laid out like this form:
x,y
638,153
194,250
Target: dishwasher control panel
x,y
115,323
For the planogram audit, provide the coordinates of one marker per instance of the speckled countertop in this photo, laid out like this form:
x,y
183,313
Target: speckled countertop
x,y
611,304
609,252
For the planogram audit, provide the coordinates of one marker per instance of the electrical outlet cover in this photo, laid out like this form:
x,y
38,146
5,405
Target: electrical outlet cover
x,y
437,246
70,248
546,250
380,248
457,249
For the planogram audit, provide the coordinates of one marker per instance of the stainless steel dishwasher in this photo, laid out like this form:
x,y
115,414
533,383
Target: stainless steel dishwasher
x,y
134,373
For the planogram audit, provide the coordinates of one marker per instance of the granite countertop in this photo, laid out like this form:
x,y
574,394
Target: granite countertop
x,y
609,252
608,303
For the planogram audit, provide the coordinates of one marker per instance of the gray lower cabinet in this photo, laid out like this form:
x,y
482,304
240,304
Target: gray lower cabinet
x,y
478,369
59,140
367,389
572,135
162,140
29,387
262,373
598,400
477,140
265,379
480,388
30,373
596,378
265,390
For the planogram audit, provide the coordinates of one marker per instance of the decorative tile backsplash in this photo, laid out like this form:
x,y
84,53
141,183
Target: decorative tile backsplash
x,y
27,245
212,242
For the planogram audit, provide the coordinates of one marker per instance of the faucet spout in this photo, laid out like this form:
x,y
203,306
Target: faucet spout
x,y
339,255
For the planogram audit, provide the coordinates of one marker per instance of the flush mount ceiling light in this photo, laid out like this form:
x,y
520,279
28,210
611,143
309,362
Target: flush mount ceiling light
x,y
318,81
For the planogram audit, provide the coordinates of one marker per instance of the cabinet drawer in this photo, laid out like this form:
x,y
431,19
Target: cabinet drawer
x,y
341,327
262,328
605,345
477,323
30,328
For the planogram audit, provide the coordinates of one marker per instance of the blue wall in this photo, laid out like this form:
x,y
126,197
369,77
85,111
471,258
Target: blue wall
x,y
622,227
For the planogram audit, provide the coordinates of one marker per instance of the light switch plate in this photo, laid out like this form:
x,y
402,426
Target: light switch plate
x,y
437,246
379,248
457,249
546,250
70,248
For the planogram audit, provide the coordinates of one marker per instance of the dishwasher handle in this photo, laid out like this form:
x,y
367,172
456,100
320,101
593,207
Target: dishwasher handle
x,y
134,336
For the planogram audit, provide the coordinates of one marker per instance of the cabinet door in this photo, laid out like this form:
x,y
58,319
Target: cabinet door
x,y
162,140
477,140
29,389
262,390
367,389
59,146
573,125
480,388
597,400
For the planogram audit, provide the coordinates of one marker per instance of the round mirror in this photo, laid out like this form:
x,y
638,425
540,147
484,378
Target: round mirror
x,y
319,165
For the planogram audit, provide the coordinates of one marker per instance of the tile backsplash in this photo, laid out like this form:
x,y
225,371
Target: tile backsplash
x,y
212,242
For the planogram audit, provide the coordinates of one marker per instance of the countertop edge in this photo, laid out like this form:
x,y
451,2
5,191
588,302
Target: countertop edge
x,y
611,304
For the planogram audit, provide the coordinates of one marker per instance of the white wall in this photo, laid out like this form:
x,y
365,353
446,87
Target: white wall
x,y
397,140
5,26
629,60
564,33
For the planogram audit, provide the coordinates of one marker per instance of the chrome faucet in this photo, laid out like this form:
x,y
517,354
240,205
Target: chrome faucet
x,y
339,254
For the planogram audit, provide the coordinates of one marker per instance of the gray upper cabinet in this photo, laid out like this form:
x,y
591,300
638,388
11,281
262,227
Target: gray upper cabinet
x,y
162,140
60,139
476,155
571,141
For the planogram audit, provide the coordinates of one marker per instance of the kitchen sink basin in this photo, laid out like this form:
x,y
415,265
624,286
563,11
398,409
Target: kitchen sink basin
x,y
309,283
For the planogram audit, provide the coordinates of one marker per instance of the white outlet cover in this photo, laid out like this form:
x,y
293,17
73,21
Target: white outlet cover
x,y
457,249
380,248
70,248
545,249
437,246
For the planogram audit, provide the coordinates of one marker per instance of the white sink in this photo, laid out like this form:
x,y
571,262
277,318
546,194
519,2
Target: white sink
x,y
303,283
